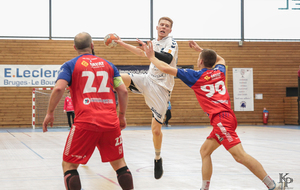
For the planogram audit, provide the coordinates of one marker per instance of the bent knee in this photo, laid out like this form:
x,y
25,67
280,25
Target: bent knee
x,y
126,79
156,131
240,158
205,152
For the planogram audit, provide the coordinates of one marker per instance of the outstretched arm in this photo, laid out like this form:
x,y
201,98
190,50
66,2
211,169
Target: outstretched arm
x,y
131,48
162,66
166,57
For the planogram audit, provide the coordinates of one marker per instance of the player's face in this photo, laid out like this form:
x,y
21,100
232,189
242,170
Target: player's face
x,y
163,29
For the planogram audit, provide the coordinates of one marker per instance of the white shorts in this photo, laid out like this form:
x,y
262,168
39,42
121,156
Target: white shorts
x,y
156,97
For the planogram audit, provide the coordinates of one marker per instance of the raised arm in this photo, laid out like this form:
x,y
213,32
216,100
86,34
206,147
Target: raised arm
x,y
220,60
162,66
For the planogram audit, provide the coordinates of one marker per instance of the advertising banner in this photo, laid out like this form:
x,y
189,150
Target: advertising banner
x,y
243,89
28,75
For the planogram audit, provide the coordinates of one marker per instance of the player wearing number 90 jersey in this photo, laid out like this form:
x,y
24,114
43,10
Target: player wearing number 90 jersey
x,y
93,99
209,87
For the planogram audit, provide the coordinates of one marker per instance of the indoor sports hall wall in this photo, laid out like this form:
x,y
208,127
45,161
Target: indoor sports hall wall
x,y
275,66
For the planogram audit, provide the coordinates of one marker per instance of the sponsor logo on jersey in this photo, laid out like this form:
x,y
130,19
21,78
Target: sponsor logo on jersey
x,y
207,78
155,112
220,101
86,101
84,63
214,76
97,65
219,137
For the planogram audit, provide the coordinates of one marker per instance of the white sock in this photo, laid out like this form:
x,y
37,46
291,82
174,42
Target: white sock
x,y
269,182
205,185
157,154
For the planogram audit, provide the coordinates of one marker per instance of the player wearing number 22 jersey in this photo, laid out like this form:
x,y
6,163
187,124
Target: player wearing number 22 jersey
x,y
212,95
91,82
90,75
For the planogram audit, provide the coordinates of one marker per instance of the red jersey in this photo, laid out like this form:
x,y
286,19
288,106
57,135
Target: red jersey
x,y
90,80
209,87
68,105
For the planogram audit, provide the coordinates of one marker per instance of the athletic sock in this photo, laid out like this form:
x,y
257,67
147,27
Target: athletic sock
x,y
269,182
157,154
125,178
72,180
205,185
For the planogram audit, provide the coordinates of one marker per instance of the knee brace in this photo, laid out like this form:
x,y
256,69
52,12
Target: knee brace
x,y
72,180
125,178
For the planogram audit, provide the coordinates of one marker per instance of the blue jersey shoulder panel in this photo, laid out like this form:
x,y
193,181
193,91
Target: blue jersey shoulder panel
x,y
189,76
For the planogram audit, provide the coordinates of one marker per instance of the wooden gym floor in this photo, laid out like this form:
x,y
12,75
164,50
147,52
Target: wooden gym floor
x,y
31,159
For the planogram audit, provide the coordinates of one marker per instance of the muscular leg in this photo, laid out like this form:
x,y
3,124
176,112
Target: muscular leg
x,y
157,135
157,141
251,163
254,166
208,147
126,79
123,174
71,176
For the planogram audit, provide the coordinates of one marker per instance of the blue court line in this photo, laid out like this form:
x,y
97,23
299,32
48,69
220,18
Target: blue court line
x,y
60,129
25,144
32,150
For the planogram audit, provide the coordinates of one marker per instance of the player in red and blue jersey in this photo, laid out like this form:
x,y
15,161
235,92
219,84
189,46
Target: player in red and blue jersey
x,y
92,81
209,86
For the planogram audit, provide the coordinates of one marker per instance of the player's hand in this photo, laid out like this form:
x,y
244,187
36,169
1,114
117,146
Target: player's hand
x,y
143,44
140,47
48,119
119,40
195,46
123,122
148,49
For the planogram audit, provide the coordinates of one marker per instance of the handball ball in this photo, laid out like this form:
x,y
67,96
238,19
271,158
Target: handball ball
x,y
109,40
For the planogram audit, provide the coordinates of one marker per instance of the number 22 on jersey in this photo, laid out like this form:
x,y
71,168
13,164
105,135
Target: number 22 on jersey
x,y
91,77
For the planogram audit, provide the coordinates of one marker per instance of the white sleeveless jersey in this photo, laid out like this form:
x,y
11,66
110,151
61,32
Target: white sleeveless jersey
x,y
168,45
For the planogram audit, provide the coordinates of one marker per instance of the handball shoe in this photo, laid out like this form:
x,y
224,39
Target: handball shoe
x,y
158,169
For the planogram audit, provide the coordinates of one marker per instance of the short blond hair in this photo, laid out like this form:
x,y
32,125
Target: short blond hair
x,y
166,18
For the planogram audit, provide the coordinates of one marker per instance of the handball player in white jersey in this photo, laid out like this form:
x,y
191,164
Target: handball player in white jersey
x,y
155,86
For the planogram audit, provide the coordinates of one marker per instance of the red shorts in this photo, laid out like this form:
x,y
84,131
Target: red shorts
x,y
81,144
224,125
